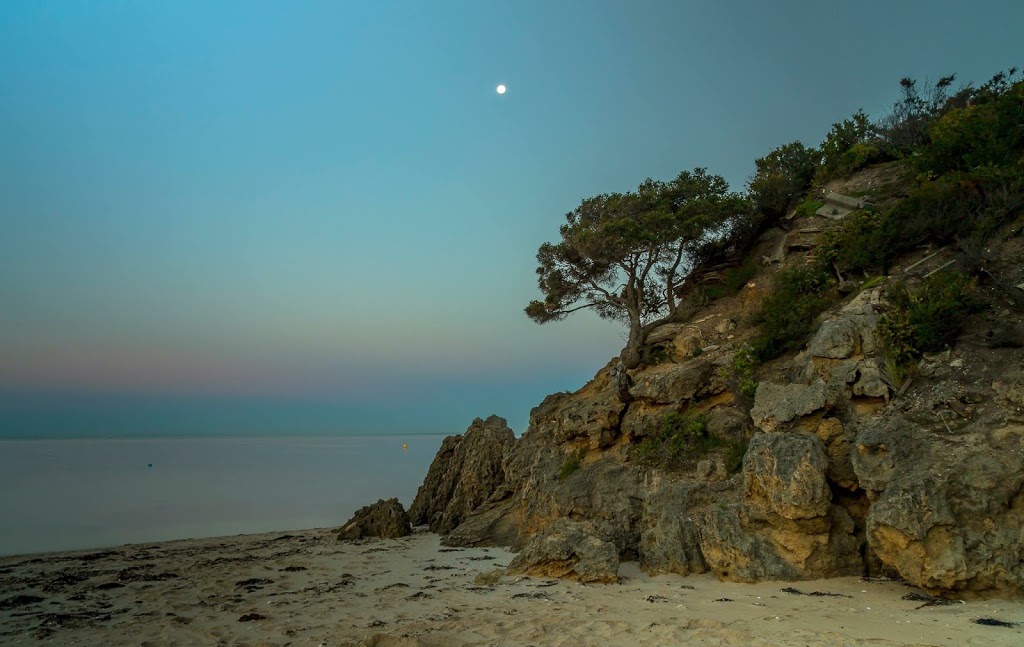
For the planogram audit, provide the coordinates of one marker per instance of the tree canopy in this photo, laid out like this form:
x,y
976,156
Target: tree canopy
x,y
625,255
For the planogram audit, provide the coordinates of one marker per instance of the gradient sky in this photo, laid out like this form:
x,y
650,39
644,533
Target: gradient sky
x,y
254,217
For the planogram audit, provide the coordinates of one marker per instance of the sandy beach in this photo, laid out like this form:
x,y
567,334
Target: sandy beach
x,y
307,588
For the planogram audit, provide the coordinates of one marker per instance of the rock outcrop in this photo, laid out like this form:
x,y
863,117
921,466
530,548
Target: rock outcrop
x,y
568,549
465,472
385,518
844,469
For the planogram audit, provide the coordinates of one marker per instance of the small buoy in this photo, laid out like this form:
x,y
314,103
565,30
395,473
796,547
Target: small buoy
x,y
405,446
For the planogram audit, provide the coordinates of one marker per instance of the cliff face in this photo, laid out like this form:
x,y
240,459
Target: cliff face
x,y
844,473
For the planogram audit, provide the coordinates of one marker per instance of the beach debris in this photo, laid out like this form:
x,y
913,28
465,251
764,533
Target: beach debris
x,y
20,601
254,582
655,598
293,569
92,557
930,600
724,600
992,622
418,595
250,617
530,596
817,594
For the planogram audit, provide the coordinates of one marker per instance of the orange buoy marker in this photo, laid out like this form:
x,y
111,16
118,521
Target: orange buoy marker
x,y
405,446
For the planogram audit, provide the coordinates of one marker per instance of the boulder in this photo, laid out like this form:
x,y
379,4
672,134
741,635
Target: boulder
x,y
785,474
465,472
776,405
836,339
568,549
385,518
674,383
945,516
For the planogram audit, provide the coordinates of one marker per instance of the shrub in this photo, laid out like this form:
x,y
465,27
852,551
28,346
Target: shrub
x,y
678,437
927,318
857,244
836,154
986,132
781,175
659,354
788,313
570,465
906,126
743,363
808,208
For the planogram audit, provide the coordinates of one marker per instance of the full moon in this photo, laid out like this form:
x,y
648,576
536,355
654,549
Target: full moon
x,y
501,88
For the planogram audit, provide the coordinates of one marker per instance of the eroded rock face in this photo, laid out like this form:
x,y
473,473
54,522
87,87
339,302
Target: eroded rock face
x,y
850,475
775,405
947,516
673,383
385,518
466,471
568,549
785,474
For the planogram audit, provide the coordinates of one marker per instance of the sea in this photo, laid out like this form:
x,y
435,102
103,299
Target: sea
x,y
68,494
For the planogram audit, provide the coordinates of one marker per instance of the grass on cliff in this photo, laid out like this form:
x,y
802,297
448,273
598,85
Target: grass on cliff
x,y
572,463
683,438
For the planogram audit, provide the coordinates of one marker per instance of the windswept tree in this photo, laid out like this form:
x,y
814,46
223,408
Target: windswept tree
x,y
625,255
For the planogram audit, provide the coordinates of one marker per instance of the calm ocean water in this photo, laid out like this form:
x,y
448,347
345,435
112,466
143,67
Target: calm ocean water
x,y
81,493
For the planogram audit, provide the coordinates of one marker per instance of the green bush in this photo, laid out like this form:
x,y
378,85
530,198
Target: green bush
x,y
837,151
857,244
743,364
788,313
808,208
987,132
927,318
781,175
570,465
906,126
679,437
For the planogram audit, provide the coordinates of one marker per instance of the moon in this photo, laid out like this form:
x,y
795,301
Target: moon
x,y
501,88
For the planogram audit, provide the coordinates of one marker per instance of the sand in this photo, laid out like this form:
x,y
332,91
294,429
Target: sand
x,y
306,588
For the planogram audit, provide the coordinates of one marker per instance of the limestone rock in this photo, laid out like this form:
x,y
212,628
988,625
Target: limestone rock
x,y
674,383
836,339
670,541
778,404
568,549
946,517
466,471
868,381
385,518
643,419
785,473
838,442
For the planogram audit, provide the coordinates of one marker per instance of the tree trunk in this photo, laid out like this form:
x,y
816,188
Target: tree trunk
x,y
632,354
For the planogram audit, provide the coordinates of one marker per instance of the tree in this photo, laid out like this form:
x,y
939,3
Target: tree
x,y
781,175
625,255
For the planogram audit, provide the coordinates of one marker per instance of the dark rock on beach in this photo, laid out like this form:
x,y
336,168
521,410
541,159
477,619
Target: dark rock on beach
x,y
385,518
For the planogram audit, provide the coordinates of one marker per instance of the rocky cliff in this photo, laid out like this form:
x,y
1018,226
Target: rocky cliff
x,y
846,470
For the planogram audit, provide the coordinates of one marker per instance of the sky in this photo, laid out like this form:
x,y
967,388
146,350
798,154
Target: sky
x,y
320,217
